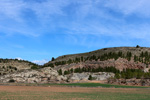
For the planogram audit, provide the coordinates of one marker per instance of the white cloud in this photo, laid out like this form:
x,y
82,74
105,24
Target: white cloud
x,y
16,19
19,58
48,11
40,62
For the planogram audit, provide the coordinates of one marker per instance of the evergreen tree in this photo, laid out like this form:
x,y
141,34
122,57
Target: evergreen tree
x,y
90,77
137,46
117,76
60,71
66,72
52,59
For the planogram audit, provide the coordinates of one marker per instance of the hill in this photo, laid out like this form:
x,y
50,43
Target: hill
x,y
134,50
118,57
118,65
14,65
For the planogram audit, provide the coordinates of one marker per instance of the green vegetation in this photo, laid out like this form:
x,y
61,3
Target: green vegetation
x,y
10,60
90,69
137,46
144,58
35,67
106,56
90,77
125,74
96,85
11,81
59,72
52,59
133,73
78,94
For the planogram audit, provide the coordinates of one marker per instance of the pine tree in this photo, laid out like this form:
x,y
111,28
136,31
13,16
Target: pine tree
x,y
60,72
90,77
117,76
52,59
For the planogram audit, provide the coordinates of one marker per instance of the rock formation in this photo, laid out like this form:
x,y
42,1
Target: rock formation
x,y
44,75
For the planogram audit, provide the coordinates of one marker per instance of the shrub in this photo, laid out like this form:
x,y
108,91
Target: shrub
x,y
90,77
137,46
11,80
34,67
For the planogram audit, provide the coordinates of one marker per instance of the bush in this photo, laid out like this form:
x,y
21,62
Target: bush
x,y
59,72
90,77
34,67
137,46
11,80
52,59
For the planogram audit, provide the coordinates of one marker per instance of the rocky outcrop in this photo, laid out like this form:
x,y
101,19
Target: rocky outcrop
x,y
77,77
136,82
19,64
120,64
49,75
13,65
44,75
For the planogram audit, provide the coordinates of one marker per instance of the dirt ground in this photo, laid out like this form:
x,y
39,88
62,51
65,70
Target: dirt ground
x,y
62,89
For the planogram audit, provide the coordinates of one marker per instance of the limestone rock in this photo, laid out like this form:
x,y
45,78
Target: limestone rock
x,y
84,76
44,75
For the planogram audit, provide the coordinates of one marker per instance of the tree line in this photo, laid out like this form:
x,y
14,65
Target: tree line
x,y
106,56
89,69
125,74
132,73
144,58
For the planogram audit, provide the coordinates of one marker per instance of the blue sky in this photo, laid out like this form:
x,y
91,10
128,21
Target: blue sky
x,y
37,30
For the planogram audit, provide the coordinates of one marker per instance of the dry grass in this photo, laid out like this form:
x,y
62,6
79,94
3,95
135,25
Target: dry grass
x,y
71,93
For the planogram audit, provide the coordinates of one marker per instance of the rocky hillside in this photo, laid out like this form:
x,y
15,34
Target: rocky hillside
x,y
45,75
134,50
49,75
120,65
118,57
14,65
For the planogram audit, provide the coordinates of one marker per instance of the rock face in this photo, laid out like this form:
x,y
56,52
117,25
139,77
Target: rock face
x,y
44,75
77,77
49,75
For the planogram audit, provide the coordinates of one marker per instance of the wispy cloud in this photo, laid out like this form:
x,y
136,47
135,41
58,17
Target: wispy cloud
x,y
11,9
127,7
93,17
28,18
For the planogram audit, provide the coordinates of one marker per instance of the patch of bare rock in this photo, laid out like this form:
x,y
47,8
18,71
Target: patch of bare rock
x,y
49,75
44,75
132,82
